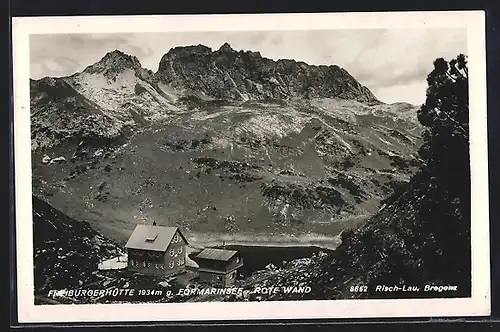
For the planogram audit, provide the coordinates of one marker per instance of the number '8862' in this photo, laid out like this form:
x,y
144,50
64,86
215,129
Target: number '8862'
x,y
358,288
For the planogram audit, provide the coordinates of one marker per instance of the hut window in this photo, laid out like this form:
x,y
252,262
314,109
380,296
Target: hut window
x,y
160,266
177,238
172,252
179,250
180,261
171,265
151,237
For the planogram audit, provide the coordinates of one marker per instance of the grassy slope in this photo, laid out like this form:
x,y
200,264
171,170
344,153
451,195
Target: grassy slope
x,y
275,168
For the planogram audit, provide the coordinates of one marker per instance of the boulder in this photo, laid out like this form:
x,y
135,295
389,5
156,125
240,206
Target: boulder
x,y
58,160
271,267
46,159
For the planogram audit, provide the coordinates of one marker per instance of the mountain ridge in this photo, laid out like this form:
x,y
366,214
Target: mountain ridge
x,y
115,61
125,95
247,75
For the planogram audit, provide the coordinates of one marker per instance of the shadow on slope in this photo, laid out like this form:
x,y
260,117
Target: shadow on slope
x,y
66,251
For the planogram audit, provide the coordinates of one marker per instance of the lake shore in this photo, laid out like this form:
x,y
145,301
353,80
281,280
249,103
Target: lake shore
x,y
200,241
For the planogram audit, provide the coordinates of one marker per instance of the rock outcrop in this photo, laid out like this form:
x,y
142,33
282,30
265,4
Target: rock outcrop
x,y
229,74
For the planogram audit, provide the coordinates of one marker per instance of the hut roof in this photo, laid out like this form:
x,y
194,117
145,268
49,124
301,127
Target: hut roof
x,y
216,254
154,238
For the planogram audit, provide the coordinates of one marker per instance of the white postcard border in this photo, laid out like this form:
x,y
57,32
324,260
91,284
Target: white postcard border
x,y
477,305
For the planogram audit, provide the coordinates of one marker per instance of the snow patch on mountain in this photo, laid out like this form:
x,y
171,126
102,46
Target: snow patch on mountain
x,y
203,115
122,93
171,94
349,110
271,125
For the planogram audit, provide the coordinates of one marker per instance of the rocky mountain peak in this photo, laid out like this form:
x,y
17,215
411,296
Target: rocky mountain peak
x,y
186,51
232,75
226,48
114,62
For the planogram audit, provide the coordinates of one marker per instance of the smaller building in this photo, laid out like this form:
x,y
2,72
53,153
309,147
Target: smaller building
x,y
116,263
218,267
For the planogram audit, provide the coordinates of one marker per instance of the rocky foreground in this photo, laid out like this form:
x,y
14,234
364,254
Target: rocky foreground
x,y
66,251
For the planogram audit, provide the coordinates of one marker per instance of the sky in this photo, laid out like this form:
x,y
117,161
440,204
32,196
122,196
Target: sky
x,y
393,63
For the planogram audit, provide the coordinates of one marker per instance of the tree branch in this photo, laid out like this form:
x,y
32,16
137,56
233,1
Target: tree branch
x,y
459,126
453,79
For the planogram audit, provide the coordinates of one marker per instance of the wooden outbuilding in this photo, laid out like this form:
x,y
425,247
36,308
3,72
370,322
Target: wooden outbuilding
x,y
218,267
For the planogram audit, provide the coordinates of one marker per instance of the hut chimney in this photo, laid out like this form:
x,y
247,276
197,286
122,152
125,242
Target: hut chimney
x,y
154,223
